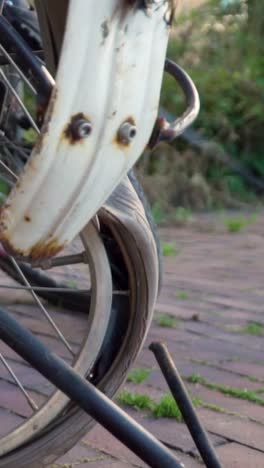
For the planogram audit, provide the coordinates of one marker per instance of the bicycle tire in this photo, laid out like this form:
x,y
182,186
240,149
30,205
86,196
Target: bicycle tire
x,y
136,249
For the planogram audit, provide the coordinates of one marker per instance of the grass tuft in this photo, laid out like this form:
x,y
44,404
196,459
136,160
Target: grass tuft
x,y
235,224
167,408
182,295
158,213
182,215
253,328
138,375
166,320
72,284
135,400
212,407
168,249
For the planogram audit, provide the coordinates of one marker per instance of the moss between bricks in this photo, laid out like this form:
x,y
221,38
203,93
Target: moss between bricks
x,y
166,320
138,375
243,394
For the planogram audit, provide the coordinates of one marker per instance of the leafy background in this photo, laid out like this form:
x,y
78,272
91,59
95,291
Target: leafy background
x,y
220,162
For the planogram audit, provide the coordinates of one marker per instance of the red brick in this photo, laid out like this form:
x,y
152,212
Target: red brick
x,y
13,400
245,368
9,421
30,378
103,441
238,456
235,405
239,430
83,455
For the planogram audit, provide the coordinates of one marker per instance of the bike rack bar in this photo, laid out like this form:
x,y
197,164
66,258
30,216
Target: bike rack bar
x,y
185,405
88,397
101,408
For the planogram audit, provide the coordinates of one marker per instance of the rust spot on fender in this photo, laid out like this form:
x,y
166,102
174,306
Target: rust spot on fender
x,y
45,127
71,131
45,250
130,120
39,251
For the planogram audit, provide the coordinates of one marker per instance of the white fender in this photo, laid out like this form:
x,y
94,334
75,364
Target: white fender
x,y
100,118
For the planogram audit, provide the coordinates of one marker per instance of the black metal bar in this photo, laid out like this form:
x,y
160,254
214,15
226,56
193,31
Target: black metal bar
x,y
182,399
89,398
30,64
4,61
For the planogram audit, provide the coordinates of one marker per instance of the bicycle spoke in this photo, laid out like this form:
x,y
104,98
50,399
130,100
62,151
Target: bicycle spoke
x,y
20,102
41,306
6,179
30,400
14,146
18,70
77,280
10,157
8,170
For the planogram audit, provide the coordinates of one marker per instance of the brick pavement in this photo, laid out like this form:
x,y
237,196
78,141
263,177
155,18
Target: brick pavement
x,y
213,287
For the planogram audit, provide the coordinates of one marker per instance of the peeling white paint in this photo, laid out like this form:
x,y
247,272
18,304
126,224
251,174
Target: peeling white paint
x,y
111,71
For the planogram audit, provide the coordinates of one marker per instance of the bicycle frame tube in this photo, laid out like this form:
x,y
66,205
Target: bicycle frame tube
x,y
100,118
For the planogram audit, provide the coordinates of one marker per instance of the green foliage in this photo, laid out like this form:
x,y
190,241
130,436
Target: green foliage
x,y
72,284
135,400
212,407
253,328
196,379
182,295
4,187
138,375
168,249
166,320
158,212
167,408
237,188
30,136
235,224
182,215
222,48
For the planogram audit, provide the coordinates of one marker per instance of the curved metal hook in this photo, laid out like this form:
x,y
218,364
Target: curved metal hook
x,y
168,131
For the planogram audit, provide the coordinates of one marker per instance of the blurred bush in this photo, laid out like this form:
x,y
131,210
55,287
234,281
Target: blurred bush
x,y
222,48
221,45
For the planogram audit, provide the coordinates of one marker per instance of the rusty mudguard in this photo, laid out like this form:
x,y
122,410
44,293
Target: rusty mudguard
x,y
101,116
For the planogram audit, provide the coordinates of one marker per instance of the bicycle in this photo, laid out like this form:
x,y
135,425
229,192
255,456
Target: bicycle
x,y
110,274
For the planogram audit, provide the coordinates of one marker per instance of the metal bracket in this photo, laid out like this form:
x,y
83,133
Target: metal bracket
x,y
101,408
168,131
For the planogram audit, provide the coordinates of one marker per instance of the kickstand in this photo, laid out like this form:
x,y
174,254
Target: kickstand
x,y
100,407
